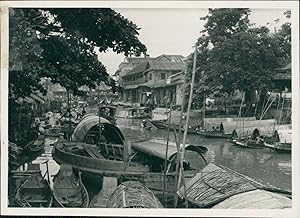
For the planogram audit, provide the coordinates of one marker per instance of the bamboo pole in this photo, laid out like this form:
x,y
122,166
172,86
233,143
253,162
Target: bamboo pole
x,y
166,154
187,125
177,139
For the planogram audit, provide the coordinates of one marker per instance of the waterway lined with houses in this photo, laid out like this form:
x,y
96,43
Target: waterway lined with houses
x,y
261,164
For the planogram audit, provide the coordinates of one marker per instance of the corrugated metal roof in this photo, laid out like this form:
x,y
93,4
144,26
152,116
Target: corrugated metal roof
x,y
173,58
165,65
138,69
150,65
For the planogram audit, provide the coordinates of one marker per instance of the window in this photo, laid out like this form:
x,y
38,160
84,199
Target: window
x,y
162,75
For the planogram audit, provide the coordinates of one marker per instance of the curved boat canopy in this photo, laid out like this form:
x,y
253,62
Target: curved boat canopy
x,y
91,124
157,148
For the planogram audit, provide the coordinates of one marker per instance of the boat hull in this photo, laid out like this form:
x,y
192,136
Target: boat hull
x,y
98,166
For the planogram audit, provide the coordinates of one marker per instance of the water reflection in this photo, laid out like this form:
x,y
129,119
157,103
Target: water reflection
x,y
262,164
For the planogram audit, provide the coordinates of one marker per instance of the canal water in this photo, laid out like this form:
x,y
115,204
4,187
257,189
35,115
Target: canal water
x,y
261,164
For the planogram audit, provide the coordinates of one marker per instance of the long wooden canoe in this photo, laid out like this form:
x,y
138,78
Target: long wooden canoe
x,y
69,191
279,147
73,153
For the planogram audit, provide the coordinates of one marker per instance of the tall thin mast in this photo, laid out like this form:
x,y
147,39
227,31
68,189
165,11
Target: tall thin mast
x,y
99,113
177,138
187,124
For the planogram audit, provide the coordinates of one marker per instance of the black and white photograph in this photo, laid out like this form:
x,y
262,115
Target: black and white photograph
x,y
182,106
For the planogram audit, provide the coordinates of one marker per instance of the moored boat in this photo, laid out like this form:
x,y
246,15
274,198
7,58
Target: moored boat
x,y
36,145
279,147
109,185
86,158
69,191
214,134
35,191
216,183
133,112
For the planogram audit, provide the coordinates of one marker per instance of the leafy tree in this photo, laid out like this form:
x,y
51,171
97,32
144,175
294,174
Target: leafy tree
x,y
61,44
234,55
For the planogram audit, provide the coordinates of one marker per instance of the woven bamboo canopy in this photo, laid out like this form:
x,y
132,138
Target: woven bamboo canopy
x,y
132,194
91,123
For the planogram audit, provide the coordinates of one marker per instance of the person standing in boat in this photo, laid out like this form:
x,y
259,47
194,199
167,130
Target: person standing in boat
x,y
221,128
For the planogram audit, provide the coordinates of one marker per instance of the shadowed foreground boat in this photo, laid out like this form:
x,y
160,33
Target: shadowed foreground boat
x,y
216,183
36,145
35,191
109,185
68,191
132,194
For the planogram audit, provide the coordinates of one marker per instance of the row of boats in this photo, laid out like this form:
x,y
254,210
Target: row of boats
x,y
142,169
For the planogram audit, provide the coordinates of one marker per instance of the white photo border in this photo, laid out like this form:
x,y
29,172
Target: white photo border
x,y
293,212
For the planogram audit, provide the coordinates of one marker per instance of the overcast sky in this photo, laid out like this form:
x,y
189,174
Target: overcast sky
x,y
175,31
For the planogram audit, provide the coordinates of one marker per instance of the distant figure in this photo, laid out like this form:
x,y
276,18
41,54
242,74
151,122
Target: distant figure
x,y
221,128
83,112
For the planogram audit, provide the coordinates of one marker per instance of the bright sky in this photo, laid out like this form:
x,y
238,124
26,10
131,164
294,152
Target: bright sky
x,y
174,31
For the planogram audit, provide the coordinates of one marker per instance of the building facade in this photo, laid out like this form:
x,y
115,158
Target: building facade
x,y
156,80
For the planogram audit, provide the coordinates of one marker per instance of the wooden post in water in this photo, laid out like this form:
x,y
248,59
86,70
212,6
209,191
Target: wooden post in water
x,y
181,173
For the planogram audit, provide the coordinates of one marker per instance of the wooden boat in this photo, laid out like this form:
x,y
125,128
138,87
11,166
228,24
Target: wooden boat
x,y
153,154
69,191
281,141
88,159
132,194
36,145
133,112
109,185
35,191
216,183
249,143
163,124
279,147
53,132
215,134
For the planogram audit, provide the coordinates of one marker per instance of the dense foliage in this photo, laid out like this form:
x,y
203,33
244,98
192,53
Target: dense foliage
x,y
61,44
235,55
